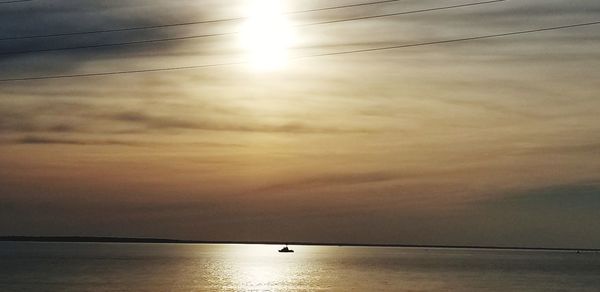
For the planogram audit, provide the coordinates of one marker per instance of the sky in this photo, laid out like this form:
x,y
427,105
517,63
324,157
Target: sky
x,y
486,142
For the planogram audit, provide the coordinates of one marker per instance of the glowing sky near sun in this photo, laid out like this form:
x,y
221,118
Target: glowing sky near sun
x,y
267,34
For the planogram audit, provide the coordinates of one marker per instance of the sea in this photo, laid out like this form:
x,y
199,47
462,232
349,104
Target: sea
x,y
35,266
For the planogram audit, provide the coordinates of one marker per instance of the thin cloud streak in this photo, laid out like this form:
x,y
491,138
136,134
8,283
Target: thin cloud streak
x,y
37,140
164,122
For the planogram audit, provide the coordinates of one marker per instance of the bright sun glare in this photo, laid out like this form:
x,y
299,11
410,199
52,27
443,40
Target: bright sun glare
x,y
266,35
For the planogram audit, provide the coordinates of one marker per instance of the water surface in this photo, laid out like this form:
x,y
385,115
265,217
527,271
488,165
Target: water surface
x,y
199,267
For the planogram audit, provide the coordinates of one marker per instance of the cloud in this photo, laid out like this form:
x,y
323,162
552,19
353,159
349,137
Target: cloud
x,y
39,140
575,148
418,131
156,122
23,122
45,140
41,18
87,119
552,199
333,180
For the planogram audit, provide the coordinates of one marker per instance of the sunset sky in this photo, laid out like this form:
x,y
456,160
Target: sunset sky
x,y
487,142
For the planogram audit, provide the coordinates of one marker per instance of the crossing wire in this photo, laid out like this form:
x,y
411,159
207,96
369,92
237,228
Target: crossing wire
x,y
191,22
159,40
399,46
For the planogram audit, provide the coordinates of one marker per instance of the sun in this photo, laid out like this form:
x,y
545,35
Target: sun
x,y
266,35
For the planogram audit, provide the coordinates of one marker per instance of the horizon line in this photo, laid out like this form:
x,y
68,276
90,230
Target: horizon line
x,y
116,239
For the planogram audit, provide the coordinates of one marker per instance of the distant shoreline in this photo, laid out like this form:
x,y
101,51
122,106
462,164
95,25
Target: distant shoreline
x,y
104,239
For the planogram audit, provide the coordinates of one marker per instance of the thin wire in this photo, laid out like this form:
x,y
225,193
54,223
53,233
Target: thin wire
x,y
490,36
232,33
453,40
118,44
342,6
187,23
403,13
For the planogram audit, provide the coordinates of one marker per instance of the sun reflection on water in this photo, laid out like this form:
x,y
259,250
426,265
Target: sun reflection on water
x,y
260,268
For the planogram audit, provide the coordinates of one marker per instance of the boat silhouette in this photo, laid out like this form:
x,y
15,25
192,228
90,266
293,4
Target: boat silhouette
x,y
286,249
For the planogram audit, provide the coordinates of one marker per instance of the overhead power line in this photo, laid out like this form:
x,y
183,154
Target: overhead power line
x,y
117,44
158,40
399,46
474,38
343,6
403,12
186,23
191,22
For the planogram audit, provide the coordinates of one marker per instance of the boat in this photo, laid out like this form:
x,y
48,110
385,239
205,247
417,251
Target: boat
x,y
286,249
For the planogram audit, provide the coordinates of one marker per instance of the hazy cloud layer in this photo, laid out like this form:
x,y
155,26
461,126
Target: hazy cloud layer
x,y
485,142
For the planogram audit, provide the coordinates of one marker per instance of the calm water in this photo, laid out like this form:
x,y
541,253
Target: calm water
x,y
170,267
